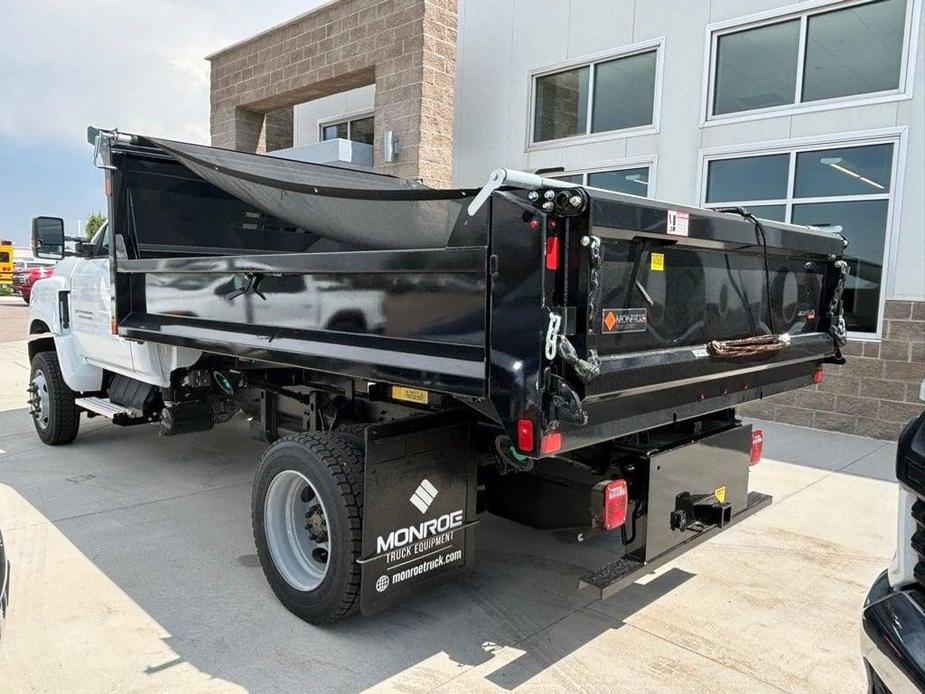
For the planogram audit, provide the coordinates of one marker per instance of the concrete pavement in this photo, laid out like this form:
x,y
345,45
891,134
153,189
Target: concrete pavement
x,y
134,570
13,314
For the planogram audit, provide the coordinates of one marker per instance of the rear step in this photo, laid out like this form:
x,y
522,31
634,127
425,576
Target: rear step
x,y
611,578
107,408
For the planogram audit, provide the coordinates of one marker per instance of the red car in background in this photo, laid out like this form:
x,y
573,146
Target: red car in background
x,y
28,272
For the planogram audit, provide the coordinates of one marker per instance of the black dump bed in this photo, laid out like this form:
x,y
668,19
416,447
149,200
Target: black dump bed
x,y
604,315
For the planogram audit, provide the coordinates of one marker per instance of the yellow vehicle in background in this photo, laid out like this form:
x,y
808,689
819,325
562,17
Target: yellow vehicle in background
x,y
6,262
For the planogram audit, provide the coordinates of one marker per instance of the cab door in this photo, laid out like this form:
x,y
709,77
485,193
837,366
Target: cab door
x,y
91,307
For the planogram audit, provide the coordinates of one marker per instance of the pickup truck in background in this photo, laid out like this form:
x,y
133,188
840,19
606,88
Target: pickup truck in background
x,y
562,356
28,272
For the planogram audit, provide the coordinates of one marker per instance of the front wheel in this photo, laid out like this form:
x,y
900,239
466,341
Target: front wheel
x,y
51,402
307,517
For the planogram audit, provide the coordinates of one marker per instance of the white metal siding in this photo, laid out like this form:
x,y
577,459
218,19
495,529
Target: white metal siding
x,y
502,42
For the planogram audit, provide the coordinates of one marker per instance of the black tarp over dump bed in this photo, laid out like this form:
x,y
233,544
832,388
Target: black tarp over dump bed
x,y
609,313
350,205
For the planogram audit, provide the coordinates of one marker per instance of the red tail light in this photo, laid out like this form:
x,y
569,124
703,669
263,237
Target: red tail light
x,y
551,442
757,444
817,376
615,497
552,253
525,435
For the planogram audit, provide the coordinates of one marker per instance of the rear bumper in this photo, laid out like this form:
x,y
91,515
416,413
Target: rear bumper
x,y
893,636
614,577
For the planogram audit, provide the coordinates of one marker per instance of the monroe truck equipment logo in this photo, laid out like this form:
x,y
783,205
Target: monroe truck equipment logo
x,y
423,496
625,320
414,533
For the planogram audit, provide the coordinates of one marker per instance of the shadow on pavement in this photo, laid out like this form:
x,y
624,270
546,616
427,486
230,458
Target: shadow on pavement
x,y
168,521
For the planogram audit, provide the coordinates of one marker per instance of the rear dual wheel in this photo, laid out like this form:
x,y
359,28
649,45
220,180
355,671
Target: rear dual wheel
x,y
307,518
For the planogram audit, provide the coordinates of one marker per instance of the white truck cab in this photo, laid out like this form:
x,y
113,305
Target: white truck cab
x,y
87,345
74,309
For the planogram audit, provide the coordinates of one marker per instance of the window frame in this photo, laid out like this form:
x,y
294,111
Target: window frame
x,y
803,11
897,136
590,61
622,165
347,118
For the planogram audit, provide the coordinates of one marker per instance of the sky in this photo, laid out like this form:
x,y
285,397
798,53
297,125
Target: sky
x,y
138,66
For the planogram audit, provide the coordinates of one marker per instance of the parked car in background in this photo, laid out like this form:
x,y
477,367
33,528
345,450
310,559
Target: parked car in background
x,y
893,621
28,272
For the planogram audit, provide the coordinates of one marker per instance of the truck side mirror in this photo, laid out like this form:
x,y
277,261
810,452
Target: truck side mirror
x,y
48,237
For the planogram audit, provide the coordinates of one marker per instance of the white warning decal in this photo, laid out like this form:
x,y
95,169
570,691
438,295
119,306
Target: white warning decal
x,y
678,222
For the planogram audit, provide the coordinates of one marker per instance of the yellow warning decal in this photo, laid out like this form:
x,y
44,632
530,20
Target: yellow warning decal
x,y
720,494
410,394
658,262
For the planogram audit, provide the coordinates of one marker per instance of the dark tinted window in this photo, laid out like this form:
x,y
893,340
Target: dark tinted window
x,y
844,171
336,130
756,68
857,50
777,213
748,178
632,181
561,105
624,92
863,223
361,130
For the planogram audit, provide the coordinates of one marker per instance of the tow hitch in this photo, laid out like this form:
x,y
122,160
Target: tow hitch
x,y
693,510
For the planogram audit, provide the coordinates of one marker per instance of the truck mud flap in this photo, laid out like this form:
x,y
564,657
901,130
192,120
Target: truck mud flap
x,y
617,575
419,507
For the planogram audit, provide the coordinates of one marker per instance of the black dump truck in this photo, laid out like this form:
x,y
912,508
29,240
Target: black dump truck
x,y
565,357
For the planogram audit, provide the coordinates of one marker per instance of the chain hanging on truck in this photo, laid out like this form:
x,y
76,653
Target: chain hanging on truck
x,y
590,368
836,313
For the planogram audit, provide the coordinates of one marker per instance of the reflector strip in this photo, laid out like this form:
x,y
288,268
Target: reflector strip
x,y
551,442
754,456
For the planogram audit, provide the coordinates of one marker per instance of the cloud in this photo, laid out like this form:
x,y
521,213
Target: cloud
x,y
138,66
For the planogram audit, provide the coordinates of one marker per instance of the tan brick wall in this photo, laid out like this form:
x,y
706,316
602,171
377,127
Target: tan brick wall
x,y
407,48
874,394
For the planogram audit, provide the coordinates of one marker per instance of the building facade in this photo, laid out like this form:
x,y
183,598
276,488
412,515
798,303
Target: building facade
x,y
812,113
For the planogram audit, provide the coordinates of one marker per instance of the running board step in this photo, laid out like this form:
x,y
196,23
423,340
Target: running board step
x,y
104,407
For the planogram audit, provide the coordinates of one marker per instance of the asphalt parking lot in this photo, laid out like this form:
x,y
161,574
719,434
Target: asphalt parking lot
x,y
134,570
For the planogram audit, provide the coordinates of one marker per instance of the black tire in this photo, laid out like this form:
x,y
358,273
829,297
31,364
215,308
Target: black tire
x,y
333,464
25,298
63,421
353,429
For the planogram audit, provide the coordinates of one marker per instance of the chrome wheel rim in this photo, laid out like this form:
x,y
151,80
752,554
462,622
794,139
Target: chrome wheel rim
x,y
39,400
296,527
